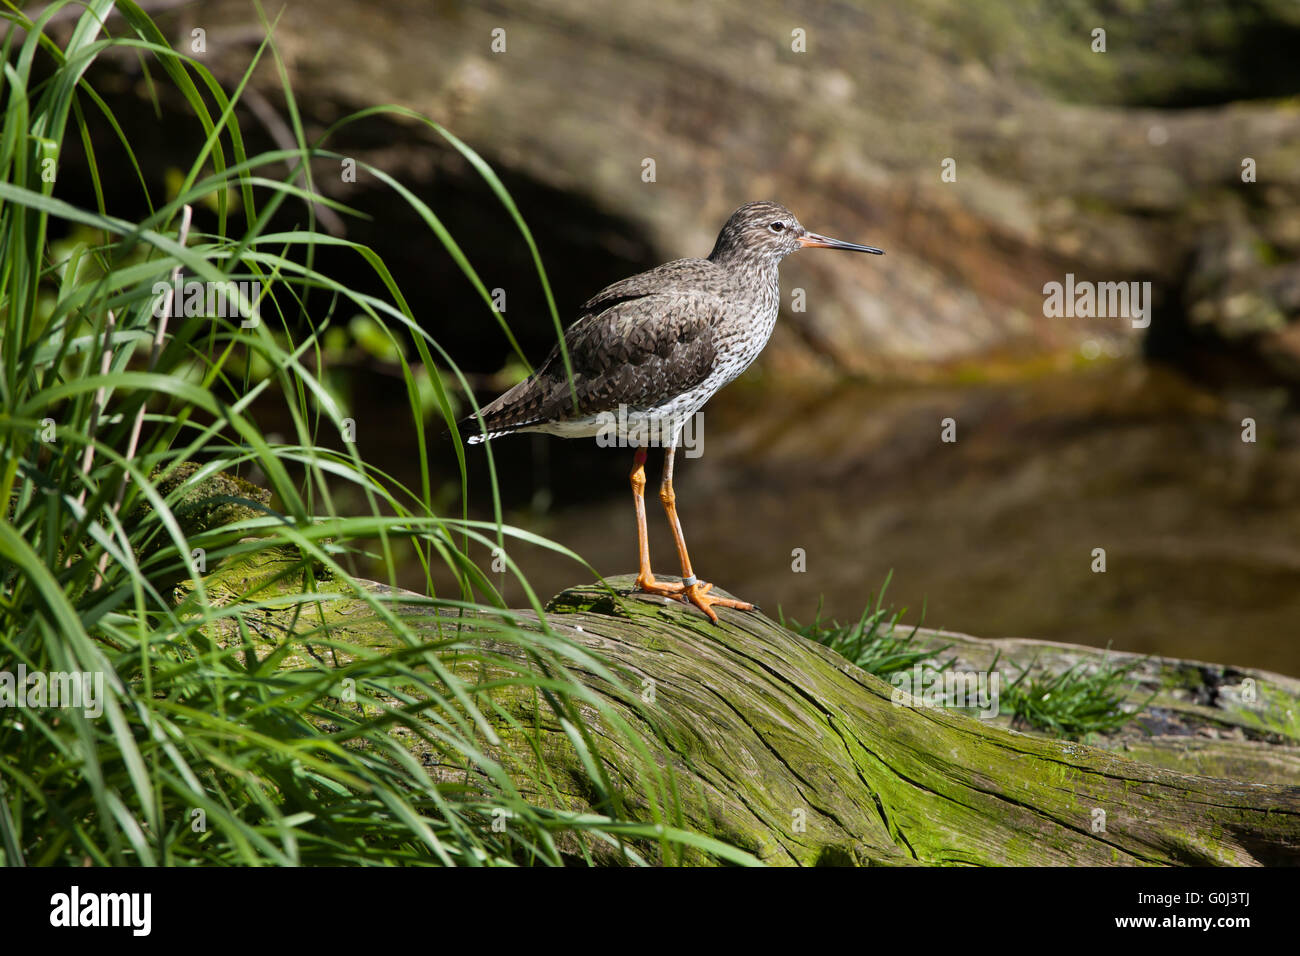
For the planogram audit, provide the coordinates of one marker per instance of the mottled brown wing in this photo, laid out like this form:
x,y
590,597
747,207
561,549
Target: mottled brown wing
x,y
640,351
672,278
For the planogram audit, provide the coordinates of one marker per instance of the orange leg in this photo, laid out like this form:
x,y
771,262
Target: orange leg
x,y
645,579
692,589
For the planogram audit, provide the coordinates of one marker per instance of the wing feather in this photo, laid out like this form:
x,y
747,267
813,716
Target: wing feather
x,y
639,351
637,342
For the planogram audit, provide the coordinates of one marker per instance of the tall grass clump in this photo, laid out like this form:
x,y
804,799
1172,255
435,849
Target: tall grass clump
x,y
115,420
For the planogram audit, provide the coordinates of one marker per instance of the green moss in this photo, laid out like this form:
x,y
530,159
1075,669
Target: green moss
x,y
219,499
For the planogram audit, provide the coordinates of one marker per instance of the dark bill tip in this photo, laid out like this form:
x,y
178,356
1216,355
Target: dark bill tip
x,y
814,241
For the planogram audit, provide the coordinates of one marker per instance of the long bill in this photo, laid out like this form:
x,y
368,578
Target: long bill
x,y
814,241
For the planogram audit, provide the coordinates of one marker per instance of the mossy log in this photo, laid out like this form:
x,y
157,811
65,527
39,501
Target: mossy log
x,y
783,748
1216,720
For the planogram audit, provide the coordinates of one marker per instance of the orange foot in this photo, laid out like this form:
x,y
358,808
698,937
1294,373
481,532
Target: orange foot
x,y
697,594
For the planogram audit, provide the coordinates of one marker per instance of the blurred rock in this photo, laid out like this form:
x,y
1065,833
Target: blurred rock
x,y
1118,166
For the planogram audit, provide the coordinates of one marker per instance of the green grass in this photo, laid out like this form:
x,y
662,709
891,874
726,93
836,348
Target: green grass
x,y
1075,703
873,642
206,753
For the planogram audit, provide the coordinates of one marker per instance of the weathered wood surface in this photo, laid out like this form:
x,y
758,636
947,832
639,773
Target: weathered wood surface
x,y
1217,720
781,747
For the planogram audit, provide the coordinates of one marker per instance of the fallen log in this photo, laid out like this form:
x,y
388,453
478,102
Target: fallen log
x,y
1216,720
781,747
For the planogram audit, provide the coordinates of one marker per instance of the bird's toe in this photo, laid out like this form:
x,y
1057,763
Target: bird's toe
x,y
698,595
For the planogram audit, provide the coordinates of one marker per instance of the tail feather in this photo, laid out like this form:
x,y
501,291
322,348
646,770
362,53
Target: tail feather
x,y
519,407
472,431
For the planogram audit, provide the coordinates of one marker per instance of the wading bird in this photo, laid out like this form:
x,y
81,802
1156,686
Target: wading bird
x,y
649,351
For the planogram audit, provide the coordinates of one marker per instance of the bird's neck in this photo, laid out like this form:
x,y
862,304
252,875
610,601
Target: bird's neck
x,y
750,271
757,288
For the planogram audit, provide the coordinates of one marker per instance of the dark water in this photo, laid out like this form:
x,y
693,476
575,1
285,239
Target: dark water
x,y
994,533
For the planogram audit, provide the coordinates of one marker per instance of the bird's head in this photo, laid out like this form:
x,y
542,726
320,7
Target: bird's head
x,y
767,231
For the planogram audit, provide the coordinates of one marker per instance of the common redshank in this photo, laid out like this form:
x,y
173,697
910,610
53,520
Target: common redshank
x,y
649,351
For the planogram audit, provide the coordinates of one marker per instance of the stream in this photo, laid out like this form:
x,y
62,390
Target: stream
x,y
817,493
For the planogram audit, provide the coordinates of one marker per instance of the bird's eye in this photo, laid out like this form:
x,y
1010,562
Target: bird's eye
x,y
777,226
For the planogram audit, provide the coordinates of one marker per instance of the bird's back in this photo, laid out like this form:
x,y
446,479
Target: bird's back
x,y
643,343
